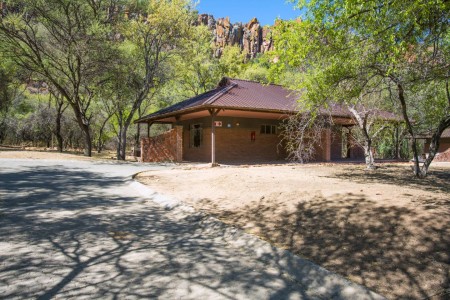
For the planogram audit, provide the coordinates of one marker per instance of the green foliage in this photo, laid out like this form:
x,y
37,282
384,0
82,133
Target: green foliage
x,y
346,49
196,70
65,43
144,60
119,58
258,69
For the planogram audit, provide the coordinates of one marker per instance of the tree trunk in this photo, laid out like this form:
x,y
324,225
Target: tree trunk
x,y
364,125
60,141
434,145
87,141
2,131
396,142
122,147
137,139
57,132
368,155
401,97
100,143
83,122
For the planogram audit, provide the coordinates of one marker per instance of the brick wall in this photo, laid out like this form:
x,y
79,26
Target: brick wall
x,y
165,147
444,144
336,143
235,145
444,149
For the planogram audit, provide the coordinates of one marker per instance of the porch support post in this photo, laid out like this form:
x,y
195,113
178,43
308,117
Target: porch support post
x,y
213,112
148,128
349,142
327,144
149,125
397,142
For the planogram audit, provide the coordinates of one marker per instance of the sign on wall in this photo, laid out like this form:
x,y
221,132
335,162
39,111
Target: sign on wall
x,y
218,123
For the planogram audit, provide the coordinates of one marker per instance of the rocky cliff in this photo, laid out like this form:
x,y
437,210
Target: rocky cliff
x,y
252,38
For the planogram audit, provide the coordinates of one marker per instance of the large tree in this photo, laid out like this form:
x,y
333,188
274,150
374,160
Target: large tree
x,y
65,43
150,39
344,46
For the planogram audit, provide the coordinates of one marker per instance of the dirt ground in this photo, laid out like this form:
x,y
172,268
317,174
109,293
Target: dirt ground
x,y
41,153
383,229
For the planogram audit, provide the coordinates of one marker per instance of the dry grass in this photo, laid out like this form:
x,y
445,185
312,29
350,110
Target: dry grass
x,y
384,229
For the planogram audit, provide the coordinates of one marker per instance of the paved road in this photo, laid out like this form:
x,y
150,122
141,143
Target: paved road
x,y
79,229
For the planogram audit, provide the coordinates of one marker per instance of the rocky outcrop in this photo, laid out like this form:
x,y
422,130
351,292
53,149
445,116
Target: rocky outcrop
x,y
252,38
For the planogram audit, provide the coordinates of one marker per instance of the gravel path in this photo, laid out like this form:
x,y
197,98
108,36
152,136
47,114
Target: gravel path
x,y
83,229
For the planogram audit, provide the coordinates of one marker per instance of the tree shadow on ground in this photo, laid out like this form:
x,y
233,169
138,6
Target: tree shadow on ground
x,y
399,175
64,236
392,250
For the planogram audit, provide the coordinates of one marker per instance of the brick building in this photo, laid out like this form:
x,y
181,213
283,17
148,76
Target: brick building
x,y
238,122
443,153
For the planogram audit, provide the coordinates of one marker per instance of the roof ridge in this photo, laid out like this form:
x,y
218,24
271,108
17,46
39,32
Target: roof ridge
x,y
220,93
254,81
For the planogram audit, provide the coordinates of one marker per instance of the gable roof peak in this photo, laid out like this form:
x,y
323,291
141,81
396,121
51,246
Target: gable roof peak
x,y
225,81
235,80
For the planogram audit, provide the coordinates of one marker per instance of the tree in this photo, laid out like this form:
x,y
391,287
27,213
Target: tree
x,y
302,133
65,42
9,88
367,119
60,108
345,45
232,61
150,40
196,68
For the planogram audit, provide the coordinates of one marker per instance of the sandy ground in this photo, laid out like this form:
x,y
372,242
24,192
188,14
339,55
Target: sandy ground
x,y
383,229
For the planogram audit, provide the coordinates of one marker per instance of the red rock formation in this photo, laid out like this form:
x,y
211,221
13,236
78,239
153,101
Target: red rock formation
x,y
252,38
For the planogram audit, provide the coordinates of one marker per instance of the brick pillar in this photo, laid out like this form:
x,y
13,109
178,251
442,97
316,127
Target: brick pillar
x,y
145,144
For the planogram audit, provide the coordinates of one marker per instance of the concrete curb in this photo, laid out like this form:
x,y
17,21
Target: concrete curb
x,y
319,282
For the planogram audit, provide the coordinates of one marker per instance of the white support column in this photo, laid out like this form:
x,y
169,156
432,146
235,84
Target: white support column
x,y
213,113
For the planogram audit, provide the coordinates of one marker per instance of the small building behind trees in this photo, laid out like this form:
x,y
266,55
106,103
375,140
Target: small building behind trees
x,y
239,122
443,153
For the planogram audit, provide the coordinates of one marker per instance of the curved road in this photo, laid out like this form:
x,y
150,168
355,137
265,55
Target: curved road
x,y
80,229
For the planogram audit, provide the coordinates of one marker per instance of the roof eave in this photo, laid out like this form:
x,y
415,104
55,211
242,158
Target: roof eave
x,y
206,107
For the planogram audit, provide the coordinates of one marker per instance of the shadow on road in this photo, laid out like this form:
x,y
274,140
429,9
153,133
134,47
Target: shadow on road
x,y
74,234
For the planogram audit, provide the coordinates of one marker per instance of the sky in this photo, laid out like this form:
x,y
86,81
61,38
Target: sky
x,y
244,10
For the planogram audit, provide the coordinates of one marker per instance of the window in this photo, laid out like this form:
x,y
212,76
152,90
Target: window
x,y
268,129
196,136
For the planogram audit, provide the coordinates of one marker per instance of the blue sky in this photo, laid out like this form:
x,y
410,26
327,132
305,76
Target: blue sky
x,y
244,10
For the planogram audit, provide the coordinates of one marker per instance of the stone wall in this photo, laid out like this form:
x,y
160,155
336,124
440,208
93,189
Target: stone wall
x,y
167,147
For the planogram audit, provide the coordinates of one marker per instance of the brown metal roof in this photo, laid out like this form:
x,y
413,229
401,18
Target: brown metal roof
x,y
253,95
429,135
237,94
446,133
